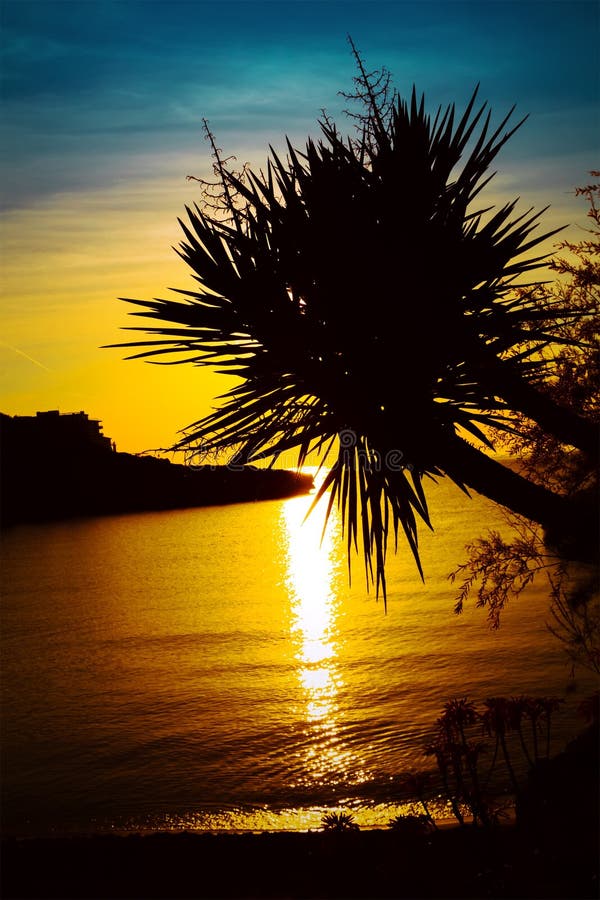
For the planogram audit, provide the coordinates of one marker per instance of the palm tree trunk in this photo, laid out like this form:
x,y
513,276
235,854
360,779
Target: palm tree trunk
x,y
489,477
564,424
524,747
572,527
511,771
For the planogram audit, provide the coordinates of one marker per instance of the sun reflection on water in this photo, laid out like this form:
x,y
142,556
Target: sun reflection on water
x,y
315,573
311,577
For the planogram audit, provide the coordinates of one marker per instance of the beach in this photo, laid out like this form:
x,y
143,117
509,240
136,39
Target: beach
x,y
551,851
451,863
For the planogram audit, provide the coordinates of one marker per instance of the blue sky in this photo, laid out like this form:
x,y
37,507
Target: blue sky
x,y
102,104
89,87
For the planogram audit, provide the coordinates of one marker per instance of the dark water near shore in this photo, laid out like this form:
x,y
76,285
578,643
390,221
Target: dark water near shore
x,y
211,668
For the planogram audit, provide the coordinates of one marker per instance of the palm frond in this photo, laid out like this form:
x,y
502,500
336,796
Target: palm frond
x,y
356,292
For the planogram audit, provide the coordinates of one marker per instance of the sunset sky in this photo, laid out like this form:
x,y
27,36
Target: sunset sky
x,y
101,121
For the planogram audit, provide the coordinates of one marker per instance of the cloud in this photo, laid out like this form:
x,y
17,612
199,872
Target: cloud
x,y
90,86
26,356
102,112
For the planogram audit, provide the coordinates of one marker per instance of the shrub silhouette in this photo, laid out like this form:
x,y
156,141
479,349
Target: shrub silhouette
x,y
339,821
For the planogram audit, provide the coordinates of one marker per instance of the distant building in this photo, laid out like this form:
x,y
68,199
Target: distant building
x,y
55,466
56,432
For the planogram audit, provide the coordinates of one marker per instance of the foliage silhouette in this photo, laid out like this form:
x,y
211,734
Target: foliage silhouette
x,y
368,304
412,826
339,821
497,569
460,753
418,784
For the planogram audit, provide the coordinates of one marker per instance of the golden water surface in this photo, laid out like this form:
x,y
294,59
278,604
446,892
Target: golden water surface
x,y
213,668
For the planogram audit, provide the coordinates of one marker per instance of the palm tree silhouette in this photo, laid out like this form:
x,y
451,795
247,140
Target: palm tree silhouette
x,y
369,306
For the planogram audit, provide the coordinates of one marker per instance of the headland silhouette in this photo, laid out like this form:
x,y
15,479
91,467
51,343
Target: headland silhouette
x,y
60,466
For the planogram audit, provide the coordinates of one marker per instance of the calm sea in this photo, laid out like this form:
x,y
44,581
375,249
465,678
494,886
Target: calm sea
x,y
213,669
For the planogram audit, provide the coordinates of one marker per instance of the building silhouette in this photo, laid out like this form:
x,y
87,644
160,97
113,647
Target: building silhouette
x,y
58,432
61,466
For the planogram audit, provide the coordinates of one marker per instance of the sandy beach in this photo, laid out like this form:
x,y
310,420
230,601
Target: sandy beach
x,y
550,852
451,863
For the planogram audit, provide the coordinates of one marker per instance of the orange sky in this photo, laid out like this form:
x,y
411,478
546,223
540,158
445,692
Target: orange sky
x,y
94,166
66,262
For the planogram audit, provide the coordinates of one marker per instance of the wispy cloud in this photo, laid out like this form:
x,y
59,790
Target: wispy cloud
x,y
102,107
22,353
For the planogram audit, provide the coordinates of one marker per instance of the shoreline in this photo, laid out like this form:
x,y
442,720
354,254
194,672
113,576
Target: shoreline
x,y
454,862
549,853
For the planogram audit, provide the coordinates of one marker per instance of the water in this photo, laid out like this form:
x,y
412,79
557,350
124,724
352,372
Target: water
x,y
212,668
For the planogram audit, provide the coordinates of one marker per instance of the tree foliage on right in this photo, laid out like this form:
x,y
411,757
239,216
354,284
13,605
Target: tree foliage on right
x,y
498,569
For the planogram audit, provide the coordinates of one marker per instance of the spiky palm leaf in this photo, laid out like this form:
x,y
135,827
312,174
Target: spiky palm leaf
x,y
355,292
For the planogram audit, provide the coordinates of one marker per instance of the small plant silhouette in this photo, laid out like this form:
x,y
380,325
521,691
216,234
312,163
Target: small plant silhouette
x,y
458,751
418,784
411,825
339,821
